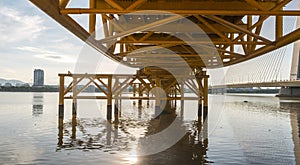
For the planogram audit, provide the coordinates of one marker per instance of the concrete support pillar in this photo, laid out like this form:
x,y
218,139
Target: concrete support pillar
x,y
116,109
175,95
200,108
205,96
74,103
157,97
205,136
140,108
109,98
116,131
74,108
116,104
182,98
108,133
120,107
61,98
74,124
61,110
140,91
200,98
148,95
134,91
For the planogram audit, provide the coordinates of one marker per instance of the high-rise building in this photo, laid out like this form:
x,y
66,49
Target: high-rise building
x,y
38,77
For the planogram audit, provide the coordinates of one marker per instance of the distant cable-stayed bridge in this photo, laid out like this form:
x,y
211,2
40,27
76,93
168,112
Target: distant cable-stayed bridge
x,y
278,68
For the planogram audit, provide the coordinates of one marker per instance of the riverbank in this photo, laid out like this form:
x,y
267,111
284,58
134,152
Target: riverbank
x,y
30,89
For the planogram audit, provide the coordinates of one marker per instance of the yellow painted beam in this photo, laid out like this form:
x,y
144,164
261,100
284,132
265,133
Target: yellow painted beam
x,y
184,12
279,26
246,31
212,28
63,3
92,19
194,42
114,4
136,4
255,4
141,28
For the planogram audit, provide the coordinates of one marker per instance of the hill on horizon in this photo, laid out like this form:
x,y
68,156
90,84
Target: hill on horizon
x,y
13,82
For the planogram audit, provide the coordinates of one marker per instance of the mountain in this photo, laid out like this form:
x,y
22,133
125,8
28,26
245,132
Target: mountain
x,y
13,82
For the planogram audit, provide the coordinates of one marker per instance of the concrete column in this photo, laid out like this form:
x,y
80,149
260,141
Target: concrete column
x,y
205,97
61,98
108,132
120,107
140,94
148,95
134,91
175,95
182,98
60,133
116,109
61,110
109,99
116,104
74,124
200,99
74,103
116,130
74,108
157,97
200,108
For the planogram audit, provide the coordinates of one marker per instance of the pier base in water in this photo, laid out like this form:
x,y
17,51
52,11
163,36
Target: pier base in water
x,y
289,92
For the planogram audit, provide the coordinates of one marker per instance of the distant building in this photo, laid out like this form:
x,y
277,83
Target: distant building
x,y
38,77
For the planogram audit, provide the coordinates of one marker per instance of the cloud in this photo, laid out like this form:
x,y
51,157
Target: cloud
x,y
17,26
34,49
56,58
47,55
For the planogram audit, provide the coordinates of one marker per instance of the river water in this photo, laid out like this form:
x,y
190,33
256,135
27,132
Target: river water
x,y
241,129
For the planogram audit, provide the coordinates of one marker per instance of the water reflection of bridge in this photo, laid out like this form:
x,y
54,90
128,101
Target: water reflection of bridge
x,y
294,108
124,135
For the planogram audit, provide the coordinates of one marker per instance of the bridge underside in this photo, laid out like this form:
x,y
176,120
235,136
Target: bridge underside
x,y
205,34
172,40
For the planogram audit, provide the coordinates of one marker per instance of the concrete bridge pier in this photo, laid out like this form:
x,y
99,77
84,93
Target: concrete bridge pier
x,y
157,97
109,99
202,81
61,109
182,99
205,97
74,108
116,109
289,92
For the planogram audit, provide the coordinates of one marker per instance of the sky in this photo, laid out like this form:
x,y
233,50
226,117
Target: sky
x,y
29,39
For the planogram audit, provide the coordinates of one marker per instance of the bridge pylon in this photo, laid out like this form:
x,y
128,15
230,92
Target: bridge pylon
x,y
289,91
